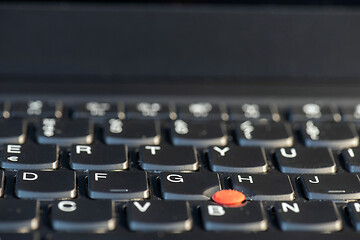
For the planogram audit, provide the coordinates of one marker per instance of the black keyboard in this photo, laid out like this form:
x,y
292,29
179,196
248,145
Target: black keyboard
x,y
156,170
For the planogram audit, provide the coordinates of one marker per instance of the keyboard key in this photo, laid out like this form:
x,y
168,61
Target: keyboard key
x,y
118,185
331,187
351,158
265,134
353,209
45,185
36,108
149,110
168,158
200,110
237,159
254,112
250,217
65,132
269,187
315,112
98,157
198,133
82,215
19,215
308,216
132,132
20,236
333,135
161,216
13,131
29,156
302,160
189,186
98,110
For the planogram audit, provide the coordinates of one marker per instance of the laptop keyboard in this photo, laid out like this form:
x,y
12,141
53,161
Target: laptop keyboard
x,y
149,170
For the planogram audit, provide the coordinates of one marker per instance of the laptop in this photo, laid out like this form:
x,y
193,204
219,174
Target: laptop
x,y
179,120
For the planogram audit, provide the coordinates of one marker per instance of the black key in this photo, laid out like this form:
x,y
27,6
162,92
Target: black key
x,y
82,215
118,185
29,156
315,112
237,159
308,216
45,185
354,213
200,110
37,108
252,111
161,216
98,110
2,179
198,133
65,132
250,217
19,215
98,157
13,131
269,187
331,187
351,158
20,236
302,160
152,110
333,135
266,134
168,158
189,186
132,132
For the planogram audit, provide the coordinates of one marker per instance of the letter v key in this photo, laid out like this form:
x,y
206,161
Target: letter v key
x,y
142,208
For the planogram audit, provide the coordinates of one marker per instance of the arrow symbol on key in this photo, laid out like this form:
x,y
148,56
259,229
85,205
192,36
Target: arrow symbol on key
x,y
13,158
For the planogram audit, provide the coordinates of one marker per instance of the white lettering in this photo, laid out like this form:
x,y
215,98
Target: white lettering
x,y
181,127
292,153
97,109
215,210
315,181
100,175
148,109
221,151
142,208
34,107
312,110
29,176
83,148
351,152
49,127
67,206
247,128
250,179
152,149
251,110
175,178
357,207
13,158
200,109
312,130
14,148
116,125
286,207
